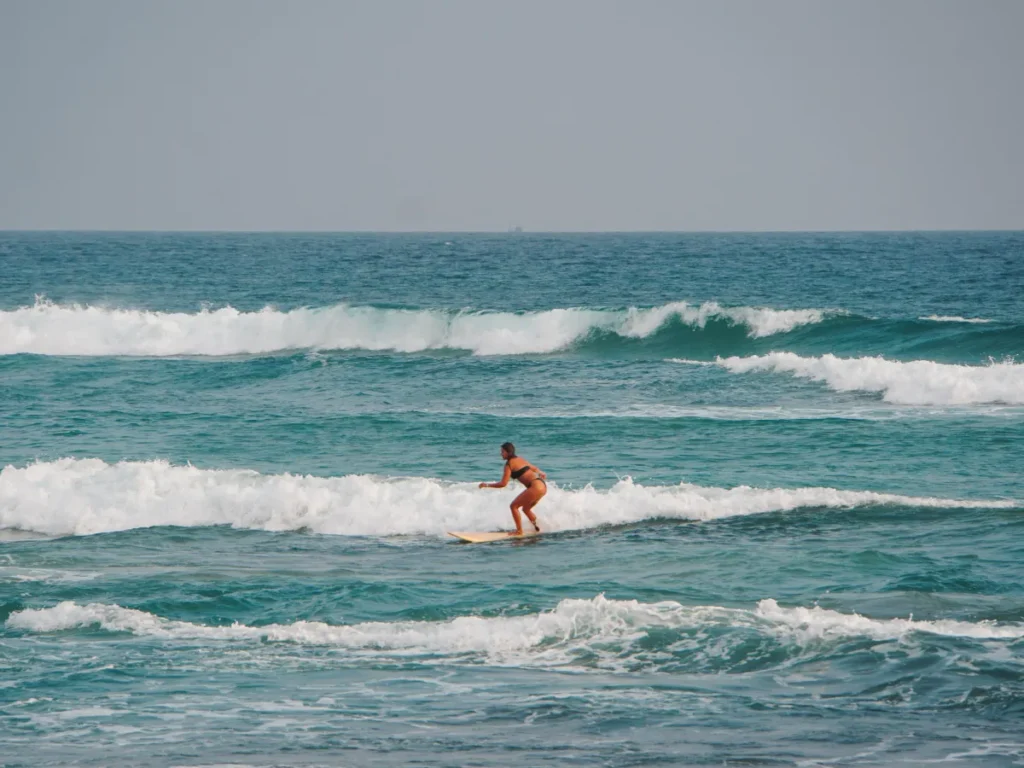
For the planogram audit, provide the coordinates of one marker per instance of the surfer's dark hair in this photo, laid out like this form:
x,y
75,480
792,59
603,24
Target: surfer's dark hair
x,y
509,448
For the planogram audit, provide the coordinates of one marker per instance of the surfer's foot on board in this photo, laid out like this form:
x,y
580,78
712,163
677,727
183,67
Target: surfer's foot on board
x,y
515,533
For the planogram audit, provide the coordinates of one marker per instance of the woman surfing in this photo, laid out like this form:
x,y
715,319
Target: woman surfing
x,y
518,468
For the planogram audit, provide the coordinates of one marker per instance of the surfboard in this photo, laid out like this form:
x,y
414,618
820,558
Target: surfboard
x,y
482,537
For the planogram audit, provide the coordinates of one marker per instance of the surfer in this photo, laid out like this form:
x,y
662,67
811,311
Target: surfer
x,y
518,468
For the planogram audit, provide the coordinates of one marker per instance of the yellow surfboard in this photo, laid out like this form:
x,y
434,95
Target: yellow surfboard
x,y
482,537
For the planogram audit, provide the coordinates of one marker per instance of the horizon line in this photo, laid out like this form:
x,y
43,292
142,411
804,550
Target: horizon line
x,y
57,230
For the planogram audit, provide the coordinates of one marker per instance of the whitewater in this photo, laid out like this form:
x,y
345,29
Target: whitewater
x,y
80,497
47,328
915,382
572,626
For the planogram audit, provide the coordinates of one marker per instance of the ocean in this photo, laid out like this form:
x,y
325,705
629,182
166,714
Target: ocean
x,y
785,524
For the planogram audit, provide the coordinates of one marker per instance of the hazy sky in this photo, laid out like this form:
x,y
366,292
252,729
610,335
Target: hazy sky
x,y
476,115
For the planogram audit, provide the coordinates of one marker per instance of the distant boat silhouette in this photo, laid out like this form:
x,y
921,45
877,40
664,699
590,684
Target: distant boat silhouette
x,y
516,228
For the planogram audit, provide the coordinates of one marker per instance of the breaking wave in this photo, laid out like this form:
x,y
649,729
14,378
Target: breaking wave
x,y
88,496
918,382
51,329
592,632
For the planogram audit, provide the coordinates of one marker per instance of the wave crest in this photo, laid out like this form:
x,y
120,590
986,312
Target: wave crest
x,y
52,329
918,382
955,319
595,632
87,496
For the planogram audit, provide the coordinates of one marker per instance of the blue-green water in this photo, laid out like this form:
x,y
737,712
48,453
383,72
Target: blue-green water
x,y
785,524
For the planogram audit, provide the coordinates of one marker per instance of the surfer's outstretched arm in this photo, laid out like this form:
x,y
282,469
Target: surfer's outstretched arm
x,y
505,477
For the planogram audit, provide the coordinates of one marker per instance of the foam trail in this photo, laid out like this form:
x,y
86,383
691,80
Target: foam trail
x,y
820,623
547,637
919,382
87,496
954,319
597,619
52,329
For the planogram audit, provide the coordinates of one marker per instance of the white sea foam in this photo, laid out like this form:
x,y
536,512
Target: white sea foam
x,y
918,382
86,496
548,637
50,575
821,623
954,319
595,619
760,321
51,329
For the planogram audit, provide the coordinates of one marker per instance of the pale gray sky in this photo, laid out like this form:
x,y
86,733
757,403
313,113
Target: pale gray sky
x,y
554,115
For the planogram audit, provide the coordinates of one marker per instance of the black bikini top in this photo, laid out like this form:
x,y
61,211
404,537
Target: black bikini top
x,y
521,471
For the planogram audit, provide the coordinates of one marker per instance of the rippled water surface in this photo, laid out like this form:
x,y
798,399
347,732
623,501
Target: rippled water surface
x,y
785,523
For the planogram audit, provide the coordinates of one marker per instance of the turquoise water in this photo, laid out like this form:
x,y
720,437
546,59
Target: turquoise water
x,y
785,525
